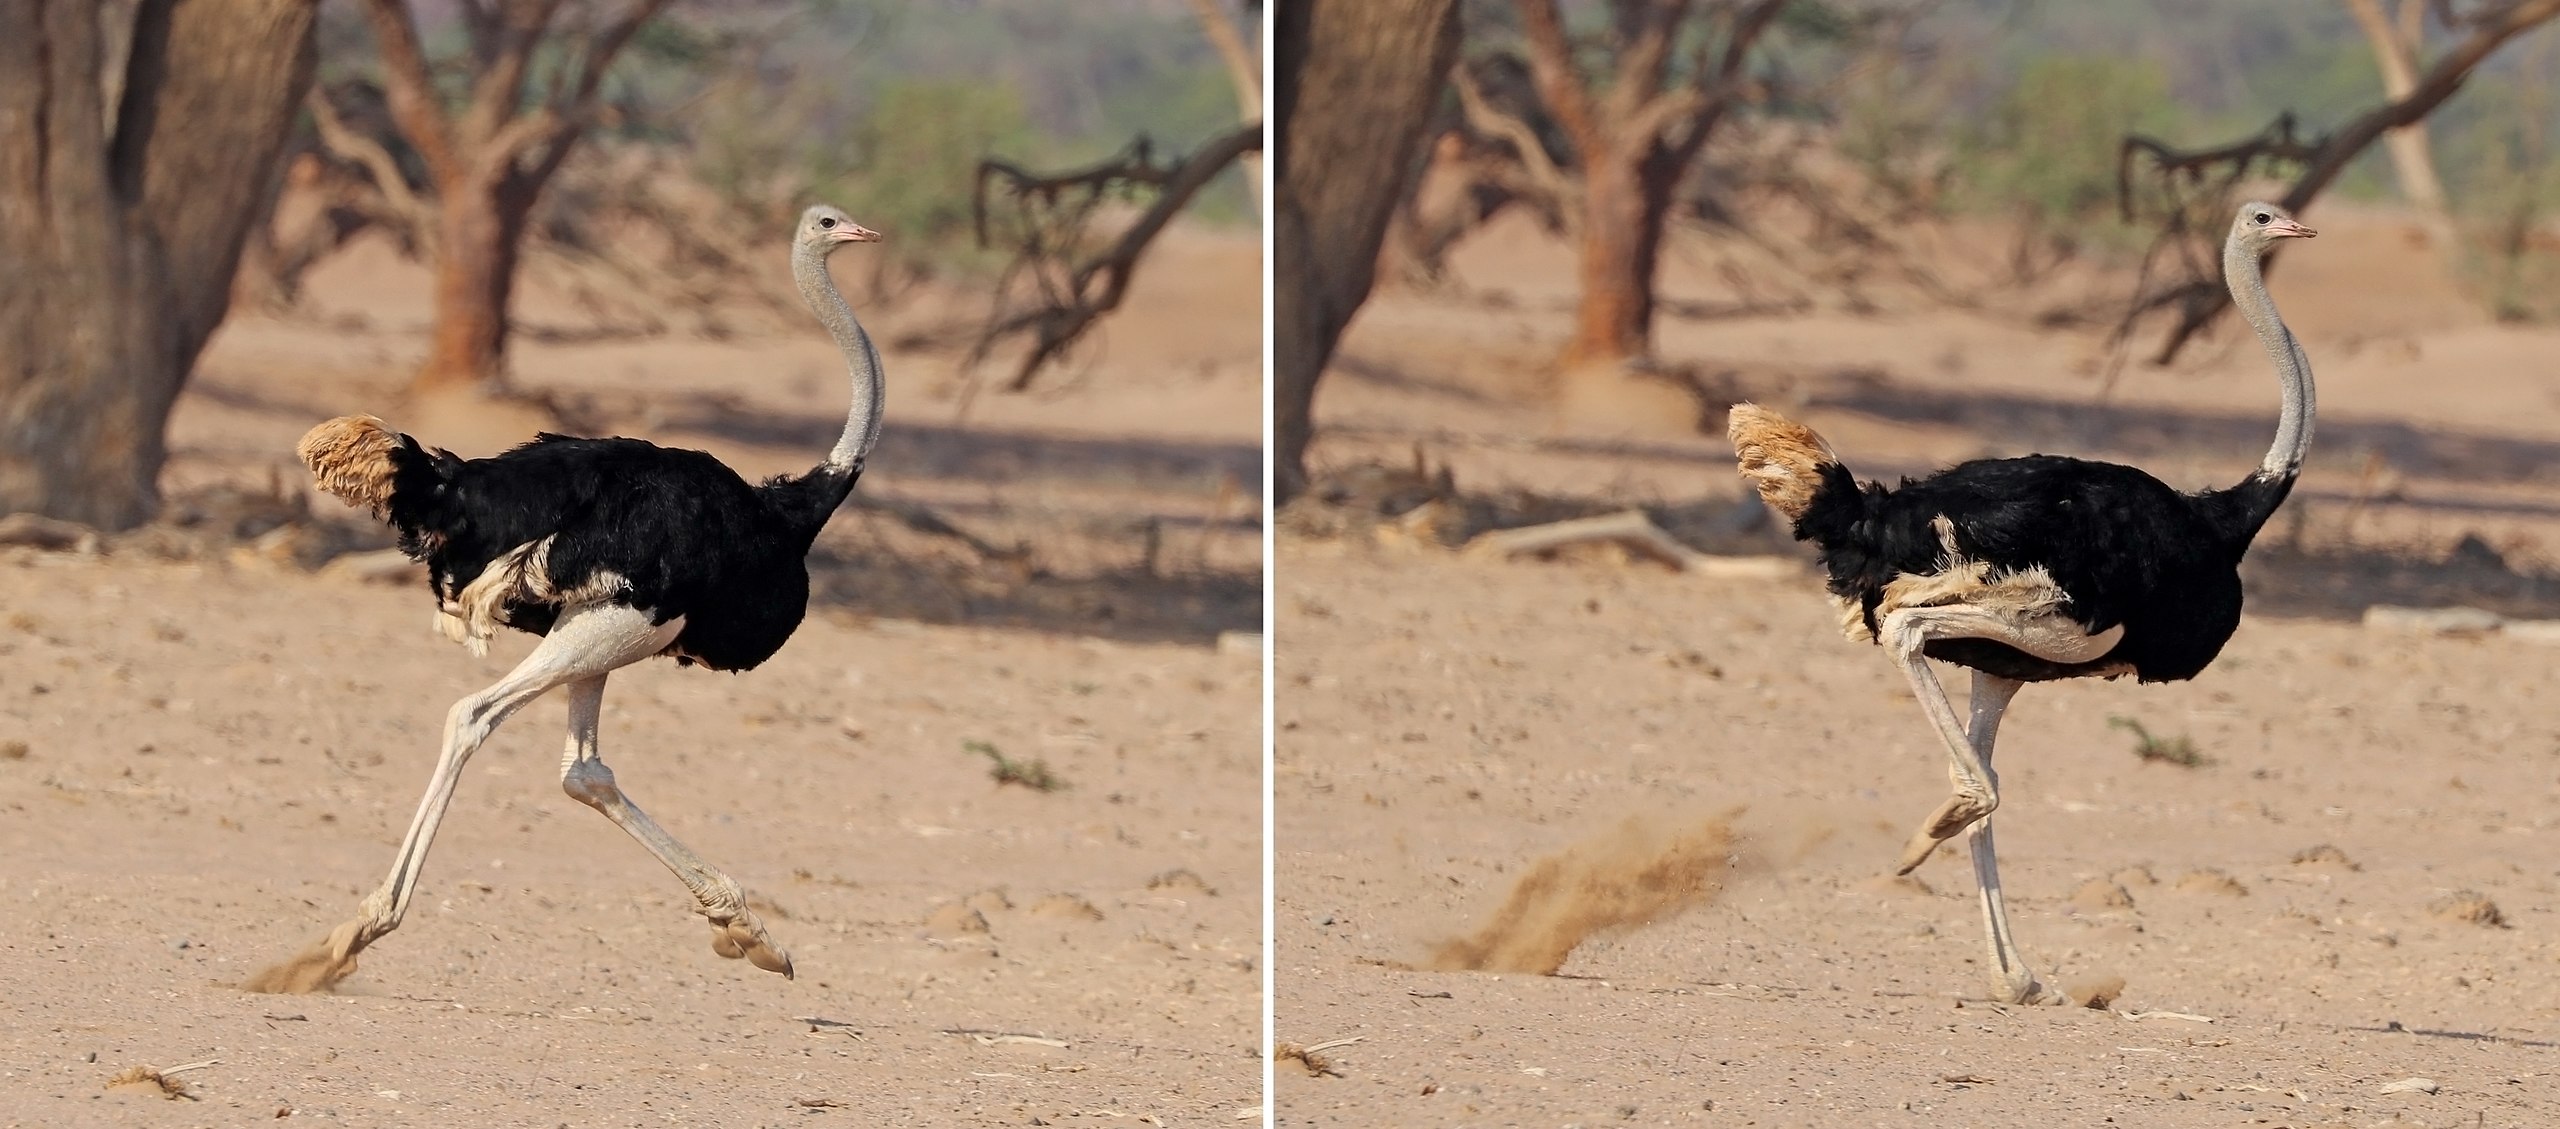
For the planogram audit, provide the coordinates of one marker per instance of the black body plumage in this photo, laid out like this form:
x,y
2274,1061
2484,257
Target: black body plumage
x,y
2123,546
686,535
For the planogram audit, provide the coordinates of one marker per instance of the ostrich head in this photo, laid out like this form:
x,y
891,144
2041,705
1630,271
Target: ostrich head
x,y
2257,225
825,227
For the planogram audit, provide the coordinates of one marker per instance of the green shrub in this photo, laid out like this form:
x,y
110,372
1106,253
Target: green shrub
x,y
2048,147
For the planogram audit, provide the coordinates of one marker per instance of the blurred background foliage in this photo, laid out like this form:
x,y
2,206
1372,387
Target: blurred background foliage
x,y
883,106
2015,108
2034,93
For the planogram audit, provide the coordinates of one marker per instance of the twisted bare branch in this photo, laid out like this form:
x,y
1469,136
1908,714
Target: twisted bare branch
x,y
367,153
2196,290
1496,123
1077,287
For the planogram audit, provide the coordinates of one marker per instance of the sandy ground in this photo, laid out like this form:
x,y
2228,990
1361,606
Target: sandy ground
x,y
1682,795
206,761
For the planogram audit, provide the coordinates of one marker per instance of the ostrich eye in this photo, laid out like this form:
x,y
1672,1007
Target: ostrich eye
x,y
2263,218
830,221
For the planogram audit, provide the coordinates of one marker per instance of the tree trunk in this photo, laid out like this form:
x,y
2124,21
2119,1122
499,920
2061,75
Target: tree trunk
x,y
1634,138
1245,75
1375,67
1626,201
122,229
489,158
264,281
479,232
2395,55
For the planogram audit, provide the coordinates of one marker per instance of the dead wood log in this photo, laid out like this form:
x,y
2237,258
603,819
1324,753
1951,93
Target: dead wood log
x,y
379,566
1629,528
36,531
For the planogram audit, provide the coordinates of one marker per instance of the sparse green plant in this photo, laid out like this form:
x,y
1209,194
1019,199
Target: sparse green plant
x,y
901,155
2508,169
2176,750
1034,775
777,116
2048,148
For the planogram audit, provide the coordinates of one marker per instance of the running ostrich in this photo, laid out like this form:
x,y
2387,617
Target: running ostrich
x,y
613,551
2035,569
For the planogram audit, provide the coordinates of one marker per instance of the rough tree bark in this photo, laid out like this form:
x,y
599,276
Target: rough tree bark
x,y
1633,140
137,142
1344,156
490,157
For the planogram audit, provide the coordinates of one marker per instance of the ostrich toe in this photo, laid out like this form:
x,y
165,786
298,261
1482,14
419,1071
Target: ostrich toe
x,y
2022,987
1952,817
743,937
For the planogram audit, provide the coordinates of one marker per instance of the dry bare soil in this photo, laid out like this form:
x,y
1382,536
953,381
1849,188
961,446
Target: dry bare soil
x,y
1672,801
207,757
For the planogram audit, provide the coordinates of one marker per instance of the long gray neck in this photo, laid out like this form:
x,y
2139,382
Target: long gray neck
x,y
2249,291
862,420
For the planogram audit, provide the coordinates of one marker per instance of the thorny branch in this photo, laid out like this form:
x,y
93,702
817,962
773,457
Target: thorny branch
x,y
2196,293
2193,186
1074,282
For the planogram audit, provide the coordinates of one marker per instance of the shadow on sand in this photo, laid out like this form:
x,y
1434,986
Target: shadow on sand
x,y
2129,433
933,450
921,450
903,578
867,565
2288,575
2283,578
1128,605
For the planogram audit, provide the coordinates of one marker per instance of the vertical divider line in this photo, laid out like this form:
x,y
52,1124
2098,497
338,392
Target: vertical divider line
x,y
1270,594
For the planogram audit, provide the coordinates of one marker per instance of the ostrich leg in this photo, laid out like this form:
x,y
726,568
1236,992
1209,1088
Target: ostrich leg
x,y
2018,982
1906,631
2054,638
585,643
735,931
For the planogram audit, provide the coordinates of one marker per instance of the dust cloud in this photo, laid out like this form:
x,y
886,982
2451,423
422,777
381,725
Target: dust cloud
x,y
1636,874
314,969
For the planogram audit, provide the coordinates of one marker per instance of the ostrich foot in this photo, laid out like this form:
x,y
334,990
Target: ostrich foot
x,y
743,936
2022,987
1952,817
318,968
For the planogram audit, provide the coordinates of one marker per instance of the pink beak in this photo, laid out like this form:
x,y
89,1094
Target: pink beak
x,y
2288,227
853,233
